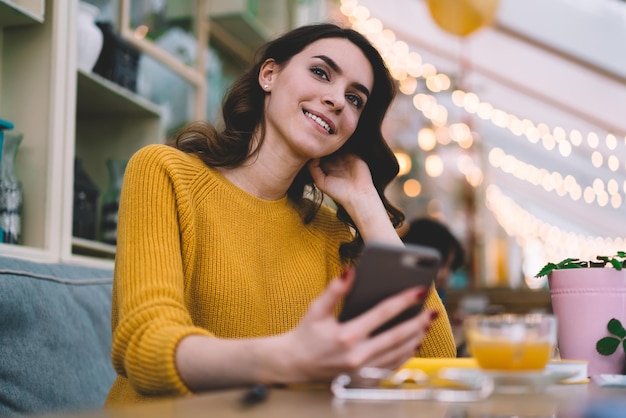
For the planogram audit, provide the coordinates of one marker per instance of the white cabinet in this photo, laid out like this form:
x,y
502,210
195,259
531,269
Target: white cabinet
x,y
33,93
63,113
21,12
111,123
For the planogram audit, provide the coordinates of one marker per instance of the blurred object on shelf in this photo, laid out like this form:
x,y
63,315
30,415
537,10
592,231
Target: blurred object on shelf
x,y
118,60
172,92
11,193
107,9
4,125
89,37
86,194
111,201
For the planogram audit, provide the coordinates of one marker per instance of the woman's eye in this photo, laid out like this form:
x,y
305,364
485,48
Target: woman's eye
x,y
319,72
355,100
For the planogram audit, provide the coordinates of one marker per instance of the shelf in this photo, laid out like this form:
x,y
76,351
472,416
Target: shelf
x,y
97,96
14,14
241,33
81,246
26,253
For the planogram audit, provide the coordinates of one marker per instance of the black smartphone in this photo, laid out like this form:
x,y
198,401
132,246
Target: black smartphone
x,y
384,270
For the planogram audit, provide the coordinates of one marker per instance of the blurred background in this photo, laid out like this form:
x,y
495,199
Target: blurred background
x,y
509,126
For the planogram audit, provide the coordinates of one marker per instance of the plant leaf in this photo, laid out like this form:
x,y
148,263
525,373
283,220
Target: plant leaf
x,y
607,345
617,265
624,345
616,328
546,270
569,263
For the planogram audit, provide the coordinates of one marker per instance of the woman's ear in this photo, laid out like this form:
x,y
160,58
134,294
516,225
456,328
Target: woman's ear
x,y
266,74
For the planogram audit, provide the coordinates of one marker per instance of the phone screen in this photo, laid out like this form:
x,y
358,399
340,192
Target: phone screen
x,y
384,270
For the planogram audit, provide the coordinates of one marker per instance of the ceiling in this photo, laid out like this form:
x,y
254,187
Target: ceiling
x,y
557,62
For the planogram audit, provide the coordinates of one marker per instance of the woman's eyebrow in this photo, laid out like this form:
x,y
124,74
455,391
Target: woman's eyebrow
x,y
332,64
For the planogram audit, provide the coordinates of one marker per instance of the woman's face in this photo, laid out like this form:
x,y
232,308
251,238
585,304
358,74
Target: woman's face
x,y
316,99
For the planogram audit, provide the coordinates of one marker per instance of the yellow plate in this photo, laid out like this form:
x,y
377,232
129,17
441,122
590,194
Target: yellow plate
x,y
431,366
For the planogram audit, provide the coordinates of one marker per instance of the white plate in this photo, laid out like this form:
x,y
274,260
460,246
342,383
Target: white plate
x,y
527,381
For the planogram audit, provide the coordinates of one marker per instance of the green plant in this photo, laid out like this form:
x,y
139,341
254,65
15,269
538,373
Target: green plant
x,y
608,345
605,345
617,261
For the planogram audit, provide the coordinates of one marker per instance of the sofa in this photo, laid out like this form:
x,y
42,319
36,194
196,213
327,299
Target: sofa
x,y
55,337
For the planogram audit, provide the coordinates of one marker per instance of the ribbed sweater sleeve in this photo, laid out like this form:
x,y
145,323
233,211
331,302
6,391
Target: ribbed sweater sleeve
x,y
149,316
439,341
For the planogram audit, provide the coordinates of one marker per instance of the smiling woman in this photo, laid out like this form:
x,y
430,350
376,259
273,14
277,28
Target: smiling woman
x,y
230,269
330,88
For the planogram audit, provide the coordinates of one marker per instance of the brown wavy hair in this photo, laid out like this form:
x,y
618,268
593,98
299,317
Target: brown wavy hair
x,y
243,114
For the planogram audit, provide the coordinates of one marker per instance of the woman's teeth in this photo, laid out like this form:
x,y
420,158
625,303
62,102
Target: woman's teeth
x,y
319,121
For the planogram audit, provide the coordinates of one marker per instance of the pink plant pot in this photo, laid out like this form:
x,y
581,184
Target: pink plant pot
x,y
583,301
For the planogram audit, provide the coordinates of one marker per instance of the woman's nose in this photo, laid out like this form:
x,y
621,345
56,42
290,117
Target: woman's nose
x,y
334,102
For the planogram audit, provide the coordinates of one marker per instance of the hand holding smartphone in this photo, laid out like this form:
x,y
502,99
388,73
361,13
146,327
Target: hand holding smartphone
x,y
385,270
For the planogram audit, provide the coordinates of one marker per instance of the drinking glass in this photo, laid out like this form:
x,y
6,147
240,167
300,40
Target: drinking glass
x,y
511,342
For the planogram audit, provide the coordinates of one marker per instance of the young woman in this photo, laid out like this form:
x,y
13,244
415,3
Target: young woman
x,y
230,270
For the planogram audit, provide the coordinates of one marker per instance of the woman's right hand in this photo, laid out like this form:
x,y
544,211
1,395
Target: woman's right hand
x,y
317,350
321,347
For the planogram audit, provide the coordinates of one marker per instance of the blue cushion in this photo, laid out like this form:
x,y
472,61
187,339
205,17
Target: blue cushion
x,y
55,337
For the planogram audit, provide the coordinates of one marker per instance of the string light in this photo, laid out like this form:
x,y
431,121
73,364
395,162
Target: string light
x,y
412,188
535,133
404,161
523,171
555,181
407,66
559,244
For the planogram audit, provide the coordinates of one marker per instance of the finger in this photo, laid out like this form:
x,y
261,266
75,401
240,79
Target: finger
x,y
407,330
315,170
397,344
398,354
317,173
338,288
389,308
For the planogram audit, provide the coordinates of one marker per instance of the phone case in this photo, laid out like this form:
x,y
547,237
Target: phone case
x,y
384,270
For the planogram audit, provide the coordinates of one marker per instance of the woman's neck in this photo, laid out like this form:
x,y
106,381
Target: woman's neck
x,y
266,175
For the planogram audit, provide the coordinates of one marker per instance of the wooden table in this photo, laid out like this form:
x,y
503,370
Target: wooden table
x,y
557,401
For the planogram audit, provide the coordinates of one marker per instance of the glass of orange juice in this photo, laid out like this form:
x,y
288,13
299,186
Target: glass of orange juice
x,y
511,342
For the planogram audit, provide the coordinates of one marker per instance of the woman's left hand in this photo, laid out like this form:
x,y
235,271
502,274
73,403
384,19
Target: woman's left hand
x,y
347,180
344,178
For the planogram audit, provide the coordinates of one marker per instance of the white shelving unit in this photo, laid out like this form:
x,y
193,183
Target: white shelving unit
x,y
65,113
32,96
21,12
114,125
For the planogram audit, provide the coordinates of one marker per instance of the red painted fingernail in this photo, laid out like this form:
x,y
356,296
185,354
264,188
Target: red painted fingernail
x,y
426,328
434,315
421,294
418,347
344,274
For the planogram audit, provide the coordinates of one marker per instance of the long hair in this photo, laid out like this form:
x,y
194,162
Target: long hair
x,y
243,114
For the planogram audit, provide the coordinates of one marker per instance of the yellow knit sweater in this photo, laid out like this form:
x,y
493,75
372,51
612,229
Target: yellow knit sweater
x,y
197,255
